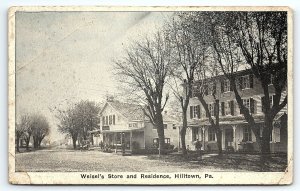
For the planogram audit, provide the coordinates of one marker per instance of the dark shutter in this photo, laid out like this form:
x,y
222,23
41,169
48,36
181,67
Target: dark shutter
x,y
231,86
191,112
214,88
268,78
114,119
251,105
198,111
232,107
222,86
240,107
263,104
205,111
103,120
240,81
223,108
251,80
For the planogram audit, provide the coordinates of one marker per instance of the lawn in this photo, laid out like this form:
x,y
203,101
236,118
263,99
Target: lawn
x,y
230,162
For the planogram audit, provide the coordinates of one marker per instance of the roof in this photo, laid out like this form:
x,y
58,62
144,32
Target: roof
x,y
130,111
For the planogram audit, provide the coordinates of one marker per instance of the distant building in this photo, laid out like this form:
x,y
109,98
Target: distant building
x,y
236,133
126,123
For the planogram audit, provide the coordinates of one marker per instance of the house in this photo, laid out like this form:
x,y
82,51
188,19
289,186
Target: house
x,y
236,133
126,123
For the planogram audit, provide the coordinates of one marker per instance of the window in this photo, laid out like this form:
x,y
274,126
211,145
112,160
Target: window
x,y
195,133
195,112
103,120
165,126
228,108
110,120
174,126
271,101
247,134
106,121
211,88
250,104
227,86
196,91
246,103
270,79
167,140
211,135
271,98
245,82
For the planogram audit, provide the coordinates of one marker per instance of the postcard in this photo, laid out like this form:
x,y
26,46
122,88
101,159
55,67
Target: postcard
x,y
150,95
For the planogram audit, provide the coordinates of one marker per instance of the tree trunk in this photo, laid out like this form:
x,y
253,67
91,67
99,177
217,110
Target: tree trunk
x,y
219,140
183,133
18,143
74,139
267,130
35,142
160,132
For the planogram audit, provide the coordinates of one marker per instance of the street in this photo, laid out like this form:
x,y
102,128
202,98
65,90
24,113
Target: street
x,y
84,161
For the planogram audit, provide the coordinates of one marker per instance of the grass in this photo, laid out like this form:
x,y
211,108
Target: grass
x,y
230,162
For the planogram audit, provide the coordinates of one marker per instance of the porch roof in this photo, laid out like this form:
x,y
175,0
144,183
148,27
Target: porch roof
x,y
122,130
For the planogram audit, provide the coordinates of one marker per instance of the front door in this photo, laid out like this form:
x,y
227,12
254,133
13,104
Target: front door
x,y
228,137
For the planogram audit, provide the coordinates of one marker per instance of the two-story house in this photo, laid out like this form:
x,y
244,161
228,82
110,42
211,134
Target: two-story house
x,y
236,132
126,123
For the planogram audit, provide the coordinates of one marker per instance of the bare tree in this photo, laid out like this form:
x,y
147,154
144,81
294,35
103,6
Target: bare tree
x,y
146,67
190,52
260,40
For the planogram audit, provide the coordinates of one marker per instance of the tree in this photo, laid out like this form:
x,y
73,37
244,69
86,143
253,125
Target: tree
x,y
40,128
260,40
145,68
200,67
189,54
76,121
21,129
67,125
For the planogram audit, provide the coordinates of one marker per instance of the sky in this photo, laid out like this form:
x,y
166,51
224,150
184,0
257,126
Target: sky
x,y
64,57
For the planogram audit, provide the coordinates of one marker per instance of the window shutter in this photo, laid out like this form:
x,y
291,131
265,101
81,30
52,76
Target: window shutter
x,y
240,80
223,108
222,86
198,111
240,108
206,89
263,104
215,109
232,107
251,80
230,86
103,120
191,112
251,105
114,119
214,88
268,78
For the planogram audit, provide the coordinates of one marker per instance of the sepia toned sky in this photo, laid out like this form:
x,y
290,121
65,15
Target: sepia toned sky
x,y
63,57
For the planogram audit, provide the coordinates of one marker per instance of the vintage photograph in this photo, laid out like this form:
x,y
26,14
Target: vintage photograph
x,y
122,95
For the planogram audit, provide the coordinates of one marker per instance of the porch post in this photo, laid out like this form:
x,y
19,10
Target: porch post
x,y
234,137
203,137
130,141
